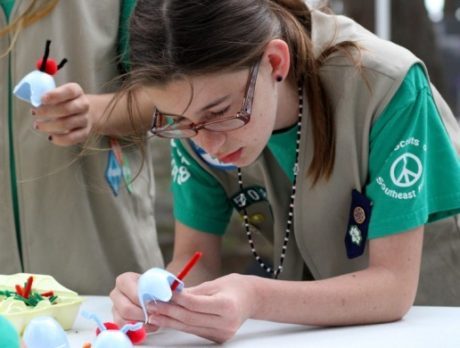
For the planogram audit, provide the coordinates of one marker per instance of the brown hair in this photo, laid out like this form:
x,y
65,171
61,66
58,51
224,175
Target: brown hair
x,y
34,12
173,38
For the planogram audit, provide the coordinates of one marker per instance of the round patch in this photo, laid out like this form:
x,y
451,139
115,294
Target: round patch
x,y
359,215
256,218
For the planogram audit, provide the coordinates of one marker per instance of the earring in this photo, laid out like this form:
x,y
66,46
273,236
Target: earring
x,y
279,78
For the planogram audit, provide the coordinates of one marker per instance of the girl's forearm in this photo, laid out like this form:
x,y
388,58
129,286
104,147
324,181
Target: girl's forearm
x,y
111,118
369,296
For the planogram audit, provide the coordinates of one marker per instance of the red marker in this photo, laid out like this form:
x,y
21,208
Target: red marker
x,y
186,269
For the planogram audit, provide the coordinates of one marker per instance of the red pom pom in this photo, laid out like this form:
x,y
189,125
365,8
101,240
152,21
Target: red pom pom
x,y
108,326
51,66
137,336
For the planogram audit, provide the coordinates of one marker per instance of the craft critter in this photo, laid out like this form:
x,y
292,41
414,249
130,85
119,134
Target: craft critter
x,y
45,332
158,284
109,335
35,84
155,285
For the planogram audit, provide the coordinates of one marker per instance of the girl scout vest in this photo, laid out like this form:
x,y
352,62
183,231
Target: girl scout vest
x,y
71,225
316,249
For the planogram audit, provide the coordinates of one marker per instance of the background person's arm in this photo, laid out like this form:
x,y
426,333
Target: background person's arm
x,y
69,116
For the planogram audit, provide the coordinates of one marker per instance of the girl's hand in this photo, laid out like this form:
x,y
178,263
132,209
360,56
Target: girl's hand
x,y
64,115
126,307
214,310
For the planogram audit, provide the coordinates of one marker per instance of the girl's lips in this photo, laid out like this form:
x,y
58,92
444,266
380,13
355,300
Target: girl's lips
x,y
232,157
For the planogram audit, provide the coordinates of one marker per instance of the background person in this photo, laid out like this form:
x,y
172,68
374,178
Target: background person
x,y
59,215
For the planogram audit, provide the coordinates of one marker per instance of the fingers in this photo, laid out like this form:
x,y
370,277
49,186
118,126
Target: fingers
x,y
206,326
219,336
214,310
72,138
64,115
184,315
66,100
199,298
61,125
124,298
151,328
66,131
62,94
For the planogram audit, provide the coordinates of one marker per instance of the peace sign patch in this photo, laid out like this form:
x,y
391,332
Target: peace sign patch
x,y
406,170
403,180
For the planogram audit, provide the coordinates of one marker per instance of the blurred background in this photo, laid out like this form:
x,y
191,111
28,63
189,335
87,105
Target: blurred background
x,y
429,28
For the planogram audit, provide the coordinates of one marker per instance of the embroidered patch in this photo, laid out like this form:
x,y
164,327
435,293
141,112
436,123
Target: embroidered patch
x,y
358,224
123,163
248,196
355,235
179,171
113,173
406,170
403,179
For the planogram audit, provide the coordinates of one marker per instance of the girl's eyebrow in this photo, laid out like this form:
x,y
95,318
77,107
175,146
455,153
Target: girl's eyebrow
x,y
207,107
215,102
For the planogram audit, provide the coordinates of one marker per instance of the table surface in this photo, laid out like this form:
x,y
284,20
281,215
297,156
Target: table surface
x,y
422,327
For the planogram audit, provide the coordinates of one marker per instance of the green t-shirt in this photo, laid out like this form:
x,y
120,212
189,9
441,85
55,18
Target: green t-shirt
x,y
199,200
407,185
9,337
393,155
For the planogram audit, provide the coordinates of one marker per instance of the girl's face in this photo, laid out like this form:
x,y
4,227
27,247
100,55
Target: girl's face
x,y
210,97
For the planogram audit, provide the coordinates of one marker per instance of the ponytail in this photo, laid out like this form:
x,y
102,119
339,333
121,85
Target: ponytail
x,y
295,17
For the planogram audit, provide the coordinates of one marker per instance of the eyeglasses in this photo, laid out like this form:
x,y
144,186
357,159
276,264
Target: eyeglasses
x,y
176,126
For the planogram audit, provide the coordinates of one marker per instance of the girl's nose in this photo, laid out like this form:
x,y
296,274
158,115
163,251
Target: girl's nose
x,y
210,141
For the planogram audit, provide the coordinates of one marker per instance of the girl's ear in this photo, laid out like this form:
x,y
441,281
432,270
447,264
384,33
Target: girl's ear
x,y
277,52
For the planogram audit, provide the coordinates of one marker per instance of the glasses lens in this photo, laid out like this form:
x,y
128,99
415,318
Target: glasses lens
x,y
165,121
225,125
173,127
174,133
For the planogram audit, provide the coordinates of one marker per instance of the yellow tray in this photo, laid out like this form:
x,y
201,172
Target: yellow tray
x,y
64,311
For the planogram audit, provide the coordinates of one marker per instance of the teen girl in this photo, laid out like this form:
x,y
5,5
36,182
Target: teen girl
x,y
326,139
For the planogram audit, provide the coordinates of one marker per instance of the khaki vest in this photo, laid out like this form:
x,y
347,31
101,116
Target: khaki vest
x,y
72,226
317,248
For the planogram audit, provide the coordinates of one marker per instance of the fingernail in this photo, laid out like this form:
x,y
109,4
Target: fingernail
x,y
50,137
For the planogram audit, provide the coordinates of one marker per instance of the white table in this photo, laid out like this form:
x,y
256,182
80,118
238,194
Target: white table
x,y
422,327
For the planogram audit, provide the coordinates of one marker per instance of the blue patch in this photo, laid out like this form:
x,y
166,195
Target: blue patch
x,y
113,173
213,162
358,224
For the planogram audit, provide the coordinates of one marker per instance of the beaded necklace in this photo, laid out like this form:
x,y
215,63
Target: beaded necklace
x,y
275,272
